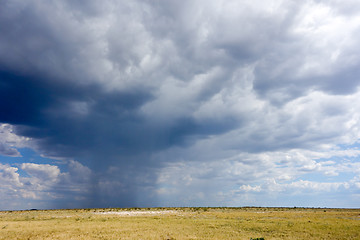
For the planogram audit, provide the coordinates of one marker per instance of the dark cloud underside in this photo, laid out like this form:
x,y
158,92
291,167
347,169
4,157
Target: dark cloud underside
x,y
136,90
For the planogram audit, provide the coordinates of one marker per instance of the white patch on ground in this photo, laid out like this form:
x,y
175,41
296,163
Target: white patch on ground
x,y
139,213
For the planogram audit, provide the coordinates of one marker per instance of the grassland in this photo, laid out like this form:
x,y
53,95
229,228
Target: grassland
x,y
182,223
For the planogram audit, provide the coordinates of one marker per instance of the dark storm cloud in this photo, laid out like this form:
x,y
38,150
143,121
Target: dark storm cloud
x,y
128,88
286,87
44,103
46,109
56,90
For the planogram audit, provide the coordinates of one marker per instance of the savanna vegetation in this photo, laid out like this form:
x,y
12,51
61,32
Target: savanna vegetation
x,y
182,223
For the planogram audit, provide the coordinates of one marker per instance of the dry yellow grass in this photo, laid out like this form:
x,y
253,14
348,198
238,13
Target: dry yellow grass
x,y
182,223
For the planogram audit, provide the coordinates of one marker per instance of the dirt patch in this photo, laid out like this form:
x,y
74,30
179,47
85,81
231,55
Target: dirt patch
x,y
139,213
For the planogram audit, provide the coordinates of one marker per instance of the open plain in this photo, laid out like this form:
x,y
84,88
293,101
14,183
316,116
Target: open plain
x,y
182,223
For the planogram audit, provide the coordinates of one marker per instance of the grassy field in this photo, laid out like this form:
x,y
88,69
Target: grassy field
x,y
182,223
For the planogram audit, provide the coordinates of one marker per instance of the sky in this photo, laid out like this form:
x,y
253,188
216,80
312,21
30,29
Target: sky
x,y
179,103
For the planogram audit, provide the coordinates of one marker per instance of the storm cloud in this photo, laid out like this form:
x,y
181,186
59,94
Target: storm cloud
x,y
154,103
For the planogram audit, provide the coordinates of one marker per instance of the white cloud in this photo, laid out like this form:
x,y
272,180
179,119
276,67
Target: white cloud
x,y
43,172
278,174
79,172
42,182
8,151
9,177
248,188
9,141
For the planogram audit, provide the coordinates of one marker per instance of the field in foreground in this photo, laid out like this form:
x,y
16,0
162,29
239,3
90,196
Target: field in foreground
x,y
182,223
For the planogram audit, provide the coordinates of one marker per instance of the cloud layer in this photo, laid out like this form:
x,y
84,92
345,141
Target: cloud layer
x,y
151,101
